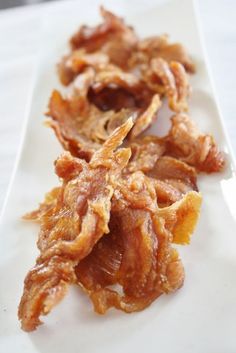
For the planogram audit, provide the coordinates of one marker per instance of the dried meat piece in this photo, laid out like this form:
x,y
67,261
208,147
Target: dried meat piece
x,y
186,143
118,81
182,216
173,179
147,117
77,221
66,120
146,151
105,298
112,37
106,77
100,268
122,88
139,247
73,64
172,82
45,207
145,264
159,47
80,126
115,76
168,168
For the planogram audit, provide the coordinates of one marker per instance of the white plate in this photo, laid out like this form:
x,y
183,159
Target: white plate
x,y
201,317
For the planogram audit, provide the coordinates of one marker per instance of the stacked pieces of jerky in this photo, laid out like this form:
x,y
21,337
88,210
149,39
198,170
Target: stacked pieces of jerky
x,y
119,210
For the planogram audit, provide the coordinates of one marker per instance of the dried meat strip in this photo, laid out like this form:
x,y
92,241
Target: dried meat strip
x,y
71,228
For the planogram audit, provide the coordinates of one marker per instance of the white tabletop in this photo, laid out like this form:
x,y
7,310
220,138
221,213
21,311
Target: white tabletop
x,y
19,40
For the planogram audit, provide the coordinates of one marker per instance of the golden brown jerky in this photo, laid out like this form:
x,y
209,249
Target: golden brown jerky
x,y
186,143
75,223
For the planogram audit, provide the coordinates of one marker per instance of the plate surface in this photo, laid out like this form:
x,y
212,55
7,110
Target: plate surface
x,y
201,317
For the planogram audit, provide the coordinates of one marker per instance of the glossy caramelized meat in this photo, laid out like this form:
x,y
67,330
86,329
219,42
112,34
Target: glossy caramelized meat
x,y
185,142
173,83
77,219
145,152
81,127
112,37
111,226
160,47
76,62
109,70
138,253
173,179
147,117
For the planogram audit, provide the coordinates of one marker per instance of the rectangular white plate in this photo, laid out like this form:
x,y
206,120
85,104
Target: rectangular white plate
x,y
201,317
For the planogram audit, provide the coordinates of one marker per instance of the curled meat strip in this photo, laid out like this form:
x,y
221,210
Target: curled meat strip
x,y
137,254
76,62
160,47
186,143
173,83
147,117
113,78
112,37
172,178
73,224
80,126
114,42
145,151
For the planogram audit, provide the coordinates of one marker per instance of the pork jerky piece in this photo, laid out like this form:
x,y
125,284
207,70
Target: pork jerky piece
x,y
137,254
79,125
112,37
160,47
186,143
172,81
146,150
72,226
172,178
114,42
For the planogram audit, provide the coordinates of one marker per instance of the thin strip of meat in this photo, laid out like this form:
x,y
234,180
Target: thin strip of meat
x,y
147,117
114,78
174,83
73,64
145,264
146,151
182,216
45,207
160,47
113,37
66,120
79,125
173,179
186,143
69,232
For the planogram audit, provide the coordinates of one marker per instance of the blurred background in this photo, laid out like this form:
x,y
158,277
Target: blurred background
x,y
4,4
